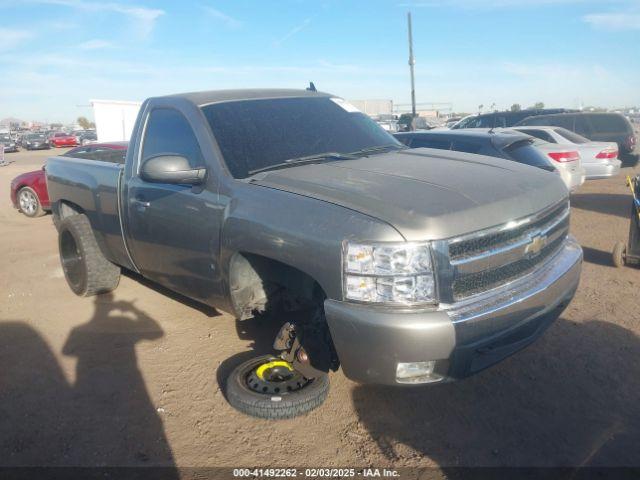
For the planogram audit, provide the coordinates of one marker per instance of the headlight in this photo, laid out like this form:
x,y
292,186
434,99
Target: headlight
x,y
391,273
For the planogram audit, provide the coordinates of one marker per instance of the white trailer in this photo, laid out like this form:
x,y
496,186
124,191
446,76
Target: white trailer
x,y
114,119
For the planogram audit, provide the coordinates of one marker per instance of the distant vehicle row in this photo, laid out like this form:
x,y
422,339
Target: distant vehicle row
x,y
41,141
598,127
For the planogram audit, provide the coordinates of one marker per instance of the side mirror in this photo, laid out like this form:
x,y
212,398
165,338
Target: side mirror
x,y
170,168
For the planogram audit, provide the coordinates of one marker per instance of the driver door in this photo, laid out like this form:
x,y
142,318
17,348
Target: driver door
x,y
173,229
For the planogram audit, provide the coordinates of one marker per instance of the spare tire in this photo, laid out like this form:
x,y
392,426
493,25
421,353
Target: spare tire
x,y
87,270
268,387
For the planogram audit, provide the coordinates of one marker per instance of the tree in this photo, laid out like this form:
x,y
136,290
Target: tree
x,y
83,122
515,107
538,106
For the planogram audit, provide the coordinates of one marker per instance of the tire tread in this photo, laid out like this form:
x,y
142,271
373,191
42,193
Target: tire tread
x,y
102,275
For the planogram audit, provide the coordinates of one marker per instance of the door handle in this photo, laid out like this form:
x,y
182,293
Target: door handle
x,y
140,203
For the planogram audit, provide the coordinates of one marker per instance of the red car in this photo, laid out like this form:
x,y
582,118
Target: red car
x,y
29,191
61,139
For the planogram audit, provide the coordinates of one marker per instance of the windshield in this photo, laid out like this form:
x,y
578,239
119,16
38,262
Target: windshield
x,y
464,123
36,137
256,134
571,136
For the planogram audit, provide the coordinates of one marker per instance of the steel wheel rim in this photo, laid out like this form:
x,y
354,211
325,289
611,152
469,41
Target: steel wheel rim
x,y
28,202
275,381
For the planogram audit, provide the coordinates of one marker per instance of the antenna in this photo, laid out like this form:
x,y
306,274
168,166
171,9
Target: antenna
x,y
311,87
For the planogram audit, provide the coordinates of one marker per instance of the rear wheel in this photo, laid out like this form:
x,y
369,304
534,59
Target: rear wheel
x,y
269,387
86,269
619,254
29,202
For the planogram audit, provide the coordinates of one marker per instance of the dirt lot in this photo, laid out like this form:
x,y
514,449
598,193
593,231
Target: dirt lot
x,y
134,378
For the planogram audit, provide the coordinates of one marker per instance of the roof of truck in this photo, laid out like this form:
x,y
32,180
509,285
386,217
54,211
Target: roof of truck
x,y
216,96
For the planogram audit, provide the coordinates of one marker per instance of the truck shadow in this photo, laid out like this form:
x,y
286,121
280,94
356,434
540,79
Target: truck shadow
x,y
598,257
571,399
201,307
629,159
606,203
106,418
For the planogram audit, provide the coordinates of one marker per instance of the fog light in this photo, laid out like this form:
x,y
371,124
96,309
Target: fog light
x,y
417,372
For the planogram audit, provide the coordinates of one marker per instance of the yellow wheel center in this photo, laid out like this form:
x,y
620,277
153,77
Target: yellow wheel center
x,y
272,364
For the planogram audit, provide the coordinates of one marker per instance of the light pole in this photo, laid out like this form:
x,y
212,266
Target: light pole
x,y
412,62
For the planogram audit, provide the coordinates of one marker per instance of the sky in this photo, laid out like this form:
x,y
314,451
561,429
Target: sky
x,y
56,55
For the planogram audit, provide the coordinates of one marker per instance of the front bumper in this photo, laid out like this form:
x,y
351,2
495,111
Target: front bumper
x,y
463,338
605,169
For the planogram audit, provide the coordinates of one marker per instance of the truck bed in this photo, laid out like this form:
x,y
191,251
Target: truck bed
x,y
90,186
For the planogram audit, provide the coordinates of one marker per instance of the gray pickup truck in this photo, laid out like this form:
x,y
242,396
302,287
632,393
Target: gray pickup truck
x,y
405,267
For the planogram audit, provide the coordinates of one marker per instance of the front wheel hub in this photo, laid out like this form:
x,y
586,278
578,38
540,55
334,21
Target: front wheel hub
x,y
275,376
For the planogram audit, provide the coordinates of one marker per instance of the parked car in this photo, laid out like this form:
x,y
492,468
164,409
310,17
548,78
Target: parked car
x,y
598,127
500,144
405,267
8,143
29,191
502,119
36,141
86,137
567,160
599,159
62,139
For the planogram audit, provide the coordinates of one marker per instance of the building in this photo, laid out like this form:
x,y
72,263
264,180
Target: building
x,y
374,108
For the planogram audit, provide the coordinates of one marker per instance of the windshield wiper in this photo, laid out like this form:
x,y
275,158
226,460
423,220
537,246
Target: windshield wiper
x,y
292,162
380,149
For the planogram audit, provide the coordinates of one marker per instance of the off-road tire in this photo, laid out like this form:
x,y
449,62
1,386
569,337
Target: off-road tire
x,y
274,407
619,252
86,269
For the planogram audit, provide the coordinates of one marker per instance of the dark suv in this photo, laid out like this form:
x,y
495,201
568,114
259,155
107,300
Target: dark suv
x,y
599,127
503,119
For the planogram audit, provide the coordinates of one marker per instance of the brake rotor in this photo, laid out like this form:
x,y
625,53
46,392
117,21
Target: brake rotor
x,y
275,377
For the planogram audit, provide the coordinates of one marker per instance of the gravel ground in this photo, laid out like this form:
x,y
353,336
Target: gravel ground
x,y
133,378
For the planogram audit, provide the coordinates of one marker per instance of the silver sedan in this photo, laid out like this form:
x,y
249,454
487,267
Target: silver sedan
x,y
599,159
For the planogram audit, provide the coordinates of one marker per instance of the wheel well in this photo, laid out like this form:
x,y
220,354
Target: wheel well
x,y
66,209
259,284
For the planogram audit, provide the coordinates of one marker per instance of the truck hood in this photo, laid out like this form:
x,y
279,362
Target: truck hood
x,y
425,194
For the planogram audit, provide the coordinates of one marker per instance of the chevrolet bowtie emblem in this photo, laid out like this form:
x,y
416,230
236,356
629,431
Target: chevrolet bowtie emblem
x,y
538,242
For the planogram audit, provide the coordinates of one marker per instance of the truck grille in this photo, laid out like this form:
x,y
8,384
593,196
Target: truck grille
x,y
491,258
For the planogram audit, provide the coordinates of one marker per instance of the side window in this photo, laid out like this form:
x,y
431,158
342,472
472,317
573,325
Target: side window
x,y
169,132
564,121
581,126
466,146
418,142
475,122
486,122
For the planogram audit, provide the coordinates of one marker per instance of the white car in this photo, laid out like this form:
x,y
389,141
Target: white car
x,y
567,161
599,159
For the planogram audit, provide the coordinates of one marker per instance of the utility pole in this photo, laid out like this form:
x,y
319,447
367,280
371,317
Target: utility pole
x,y
412,62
